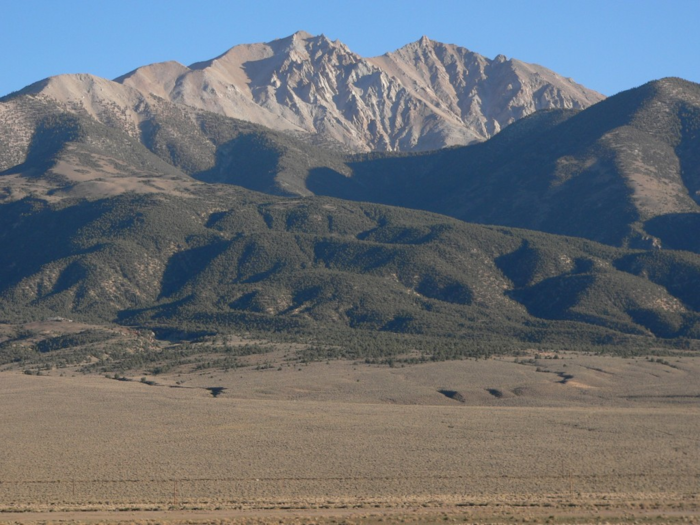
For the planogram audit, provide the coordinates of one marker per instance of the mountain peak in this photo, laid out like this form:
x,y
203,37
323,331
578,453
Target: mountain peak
x,y
675,85
302,39
425,95
302,35
295,39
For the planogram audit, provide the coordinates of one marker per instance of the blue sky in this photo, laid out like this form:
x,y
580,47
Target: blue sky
x,y
608,45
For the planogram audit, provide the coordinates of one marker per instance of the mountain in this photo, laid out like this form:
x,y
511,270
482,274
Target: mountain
x,y
485,95
40,121
97,227
333,272
424,96
623,172
112,211
54,154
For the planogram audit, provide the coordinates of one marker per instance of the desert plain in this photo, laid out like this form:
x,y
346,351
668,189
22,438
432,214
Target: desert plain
x,y
577,438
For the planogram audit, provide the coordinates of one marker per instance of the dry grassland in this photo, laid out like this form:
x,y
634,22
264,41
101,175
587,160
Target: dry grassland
x,y
549,437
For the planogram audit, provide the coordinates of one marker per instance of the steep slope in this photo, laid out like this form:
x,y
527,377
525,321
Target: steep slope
x,y
204,145
309,89
623,172
486,95
302,83
425,96
58,155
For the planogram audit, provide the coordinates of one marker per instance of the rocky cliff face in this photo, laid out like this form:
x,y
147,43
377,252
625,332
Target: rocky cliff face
x,y
483,95
426,95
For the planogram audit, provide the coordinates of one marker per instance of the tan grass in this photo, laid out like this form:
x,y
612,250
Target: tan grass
x,y
343,435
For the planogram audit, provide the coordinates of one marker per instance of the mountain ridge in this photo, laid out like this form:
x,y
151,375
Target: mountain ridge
x,y
320,89
601,173
112,210
629,159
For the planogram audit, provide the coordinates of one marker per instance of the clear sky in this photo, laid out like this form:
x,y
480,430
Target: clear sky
x,y
607,45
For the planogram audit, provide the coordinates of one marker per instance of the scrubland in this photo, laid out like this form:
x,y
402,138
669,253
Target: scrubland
x,y
586,434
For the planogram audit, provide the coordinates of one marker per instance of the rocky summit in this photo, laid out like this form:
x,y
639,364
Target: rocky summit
x,y
426,95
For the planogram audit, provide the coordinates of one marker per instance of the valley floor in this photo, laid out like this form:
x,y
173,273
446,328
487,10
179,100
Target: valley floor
x,y
579,439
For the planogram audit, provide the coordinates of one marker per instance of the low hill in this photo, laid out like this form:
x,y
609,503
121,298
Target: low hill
x,y
335,272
